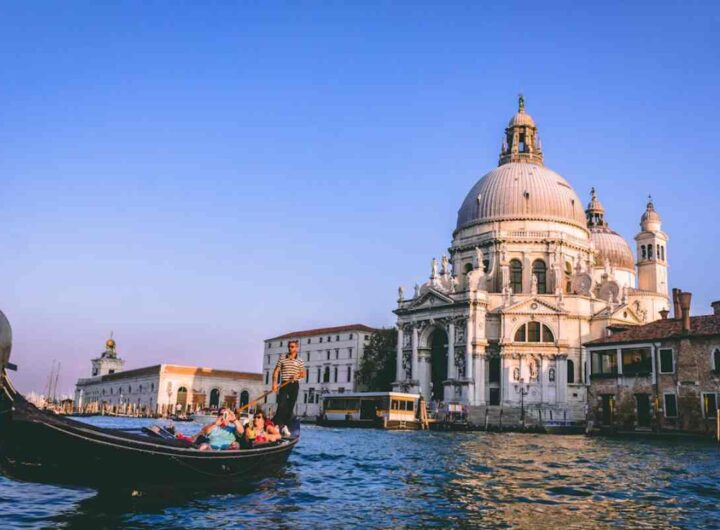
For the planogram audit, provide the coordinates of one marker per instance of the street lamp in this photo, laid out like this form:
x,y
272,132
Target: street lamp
x,y
523,389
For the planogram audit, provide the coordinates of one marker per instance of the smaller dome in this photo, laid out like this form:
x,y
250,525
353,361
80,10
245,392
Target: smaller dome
x,y
521,119
612,247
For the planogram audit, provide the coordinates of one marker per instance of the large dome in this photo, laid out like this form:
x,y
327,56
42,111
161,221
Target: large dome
x,y
612,247
520,190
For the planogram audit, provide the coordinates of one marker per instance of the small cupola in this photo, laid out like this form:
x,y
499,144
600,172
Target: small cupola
x,y
595,212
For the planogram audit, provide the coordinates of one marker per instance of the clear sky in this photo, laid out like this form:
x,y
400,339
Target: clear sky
x,y
199,178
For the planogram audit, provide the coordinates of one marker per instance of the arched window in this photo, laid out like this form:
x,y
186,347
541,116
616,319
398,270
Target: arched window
x,y
643,251
486,265
657,253
534,332
516,276
326,375
662,252
244,398
650,252
570,371
182,396
568,277
214,398
540,272
716,360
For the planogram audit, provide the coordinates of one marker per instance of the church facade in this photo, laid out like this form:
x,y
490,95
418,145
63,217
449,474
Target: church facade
x,y
529,277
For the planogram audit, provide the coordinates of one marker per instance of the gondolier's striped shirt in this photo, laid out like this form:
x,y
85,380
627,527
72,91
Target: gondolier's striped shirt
x,y
290,368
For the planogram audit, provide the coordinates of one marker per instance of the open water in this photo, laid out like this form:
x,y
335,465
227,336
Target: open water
x,y
340,478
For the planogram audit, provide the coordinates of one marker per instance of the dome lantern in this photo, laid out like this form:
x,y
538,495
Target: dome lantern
x,y
595,212
522,143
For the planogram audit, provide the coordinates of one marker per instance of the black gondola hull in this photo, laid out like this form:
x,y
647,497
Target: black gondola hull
x,y
41,447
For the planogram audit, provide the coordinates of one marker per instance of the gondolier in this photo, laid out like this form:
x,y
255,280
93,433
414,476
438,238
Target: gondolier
x,y
290,369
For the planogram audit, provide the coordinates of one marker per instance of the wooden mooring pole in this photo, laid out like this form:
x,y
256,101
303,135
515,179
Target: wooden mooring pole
x,y
717,425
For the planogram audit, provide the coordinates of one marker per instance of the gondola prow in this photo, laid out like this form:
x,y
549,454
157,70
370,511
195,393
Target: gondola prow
x,y
5,347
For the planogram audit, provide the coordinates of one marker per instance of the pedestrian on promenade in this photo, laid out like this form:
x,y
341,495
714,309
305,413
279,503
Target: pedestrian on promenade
x,y
290,370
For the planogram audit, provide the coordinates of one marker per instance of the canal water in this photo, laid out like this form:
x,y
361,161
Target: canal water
x,y
339,478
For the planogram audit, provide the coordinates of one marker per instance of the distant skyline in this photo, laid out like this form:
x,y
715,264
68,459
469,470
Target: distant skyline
x,y
199,178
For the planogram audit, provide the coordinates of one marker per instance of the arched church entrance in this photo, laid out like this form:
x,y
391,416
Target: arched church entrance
x,y
438,363
214,398
182,397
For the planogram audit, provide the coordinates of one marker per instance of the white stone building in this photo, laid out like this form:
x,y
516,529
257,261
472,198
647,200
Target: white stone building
x,y
331,356
161,389
530,277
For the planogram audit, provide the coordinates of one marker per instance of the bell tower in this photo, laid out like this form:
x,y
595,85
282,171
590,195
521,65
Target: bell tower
x,y
108,362
652,252
521,142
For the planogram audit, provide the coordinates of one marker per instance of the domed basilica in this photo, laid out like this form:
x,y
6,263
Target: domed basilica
x,y
531,275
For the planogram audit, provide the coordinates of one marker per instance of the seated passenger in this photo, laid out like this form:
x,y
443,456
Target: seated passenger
x,y
223,434
259,432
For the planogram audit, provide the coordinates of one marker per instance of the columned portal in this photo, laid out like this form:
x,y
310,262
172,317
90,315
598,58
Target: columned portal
x,y
438,363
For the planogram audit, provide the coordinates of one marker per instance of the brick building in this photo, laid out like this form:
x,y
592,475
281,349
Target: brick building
x,y
664,375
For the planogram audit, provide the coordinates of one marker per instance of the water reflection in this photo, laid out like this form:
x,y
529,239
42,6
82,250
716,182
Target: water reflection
x,y
373,479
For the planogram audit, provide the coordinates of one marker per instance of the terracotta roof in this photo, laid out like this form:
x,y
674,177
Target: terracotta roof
x,y
703,325
326,331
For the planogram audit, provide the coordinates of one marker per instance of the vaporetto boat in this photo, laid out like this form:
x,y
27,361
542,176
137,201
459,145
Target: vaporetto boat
x,y
386,410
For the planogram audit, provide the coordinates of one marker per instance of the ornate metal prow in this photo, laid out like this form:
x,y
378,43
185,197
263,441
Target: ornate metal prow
x,y
5,345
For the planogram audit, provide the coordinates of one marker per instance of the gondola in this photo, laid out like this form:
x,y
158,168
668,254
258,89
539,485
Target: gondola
x,y
42,447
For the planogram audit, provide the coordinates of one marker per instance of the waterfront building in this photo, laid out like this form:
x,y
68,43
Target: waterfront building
x,y
331,355
162,388
664,375
531,276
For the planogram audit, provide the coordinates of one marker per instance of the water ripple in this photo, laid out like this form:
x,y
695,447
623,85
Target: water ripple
x,y
375,479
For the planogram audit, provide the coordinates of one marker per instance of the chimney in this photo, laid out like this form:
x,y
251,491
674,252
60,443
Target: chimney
x,y
685,307
676,302
716,307
664,313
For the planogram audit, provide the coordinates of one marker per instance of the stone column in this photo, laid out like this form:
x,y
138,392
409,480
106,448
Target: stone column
x,y
541,377
469,338
415,373
504,379
451,351
400,373
479,365
561,378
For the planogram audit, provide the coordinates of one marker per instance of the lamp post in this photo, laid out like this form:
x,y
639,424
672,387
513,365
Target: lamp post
x,y
523,389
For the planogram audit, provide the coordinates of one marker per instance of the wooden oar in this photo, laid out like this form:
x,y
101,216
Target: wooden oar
x,y
262,396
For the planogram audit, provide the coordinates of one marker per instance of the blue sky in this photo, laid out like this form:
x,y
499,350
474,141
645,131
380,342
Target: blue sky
x,y
199,178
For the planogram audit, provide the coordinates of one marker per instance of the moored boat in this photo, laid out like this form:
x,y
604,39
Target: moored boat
x,y
385,410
